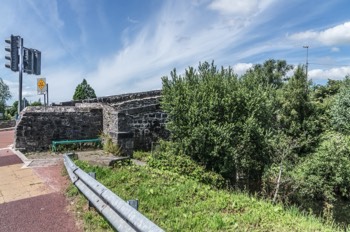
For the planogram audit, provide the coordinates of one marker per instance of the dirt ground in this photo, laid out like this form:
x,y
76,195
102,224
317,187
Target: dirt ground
x,y
95,157
51,155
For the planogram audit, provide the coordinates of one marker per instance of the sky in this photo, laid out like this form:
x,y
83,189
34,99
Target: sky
x,y
122,46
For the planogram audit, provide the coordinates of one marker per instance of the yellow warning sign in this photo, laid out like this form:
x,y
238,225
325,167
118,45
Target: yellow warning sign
x,y
41,84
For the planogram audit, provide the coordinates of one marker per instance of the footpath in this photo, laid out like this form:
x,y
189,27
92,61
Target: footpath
x,y
31,197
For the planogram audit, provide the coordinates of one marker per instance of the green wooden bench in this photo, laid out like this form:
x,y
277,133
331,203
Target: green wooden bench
x,y
55,143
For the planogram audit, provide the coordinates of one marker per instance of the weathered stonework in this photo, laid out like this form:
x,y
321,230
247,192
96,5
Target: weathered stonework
x,y
7,123
39,126
133,121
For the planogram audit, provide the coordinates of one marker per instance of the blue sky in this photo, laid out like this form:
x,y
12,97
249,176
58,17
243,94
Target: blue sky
x,y
122,46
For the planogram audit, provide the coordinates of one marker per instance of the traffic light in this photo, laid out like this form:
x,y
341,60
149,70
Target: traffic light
x,y
36,62
13,57
28,66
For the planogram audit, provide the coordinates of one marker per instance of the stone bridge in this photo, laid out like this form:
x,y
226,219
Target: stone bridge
x,y
134,121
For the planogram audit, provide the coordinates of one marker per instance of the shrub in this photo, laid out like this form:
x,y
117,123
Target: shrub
x,y
109,146
141,155
340,110
167,158
326,173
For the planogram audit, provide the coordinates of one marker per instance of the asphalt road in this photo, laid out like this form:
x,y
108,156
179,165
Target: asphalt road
x,y
37,202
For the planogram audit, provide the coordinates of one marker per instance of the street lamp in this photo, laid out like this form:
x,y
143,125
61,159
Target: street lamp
x,y
307,57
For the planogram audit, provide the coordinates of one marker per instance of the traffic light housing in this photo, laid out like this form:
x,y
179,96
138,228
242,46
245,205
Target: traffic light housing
x,y
13,57
31,61
28,60
36,62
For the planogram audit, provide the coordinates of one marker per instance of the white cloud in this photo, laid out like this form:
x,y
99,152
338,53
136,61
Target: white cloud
x,y
239,8
235,7
335,49
50,15
241,68
338,35
131,20
180,35
333,73
238,13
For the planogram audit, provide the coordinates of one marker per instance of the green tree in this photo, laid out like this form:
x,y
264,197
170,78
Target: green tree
x,y
84,91
4,95
36,103
322,92
219,120
340,110
297,116
326,173
201,106
14,108
271,72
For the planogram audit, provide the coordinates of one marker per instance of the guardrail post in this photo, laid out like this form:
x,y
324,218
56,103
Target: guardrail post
x,y
134,204
93,175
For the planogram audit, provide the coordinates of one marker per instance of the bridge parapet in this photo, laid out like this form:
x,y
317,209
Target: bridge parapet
x,y
134,121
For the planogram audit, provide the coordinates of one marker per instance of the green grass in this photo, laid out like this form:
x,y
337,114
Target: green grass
x,y
177,203
141,155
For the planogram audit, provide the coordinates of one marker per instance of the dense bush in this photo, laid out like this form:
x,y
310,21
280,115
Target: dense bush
x,y
220,120
340,110
166,158
326,173
265,127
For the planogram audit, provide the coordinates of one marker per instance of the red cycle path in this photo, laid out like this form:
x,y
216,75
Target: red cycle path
x,y
47,212
6,138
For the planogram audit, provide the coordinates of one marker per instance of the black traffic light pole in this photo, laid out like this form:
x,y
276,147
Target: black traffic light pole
x,y
31,63
20,103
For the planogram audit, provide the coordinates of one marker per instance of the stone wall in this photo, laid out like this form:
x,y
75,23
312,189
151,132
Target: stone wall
x,y
134,124
124,97
39,126
134,121
147,124
7,123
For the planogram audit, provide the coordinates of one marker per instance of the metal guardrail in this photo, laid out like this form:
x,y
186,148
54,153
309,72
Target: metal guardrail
x,y
119,214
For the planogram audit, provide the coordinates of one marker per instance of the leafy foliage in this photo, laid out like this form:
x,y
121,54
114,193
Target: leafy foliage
x,y
4,95
272,72
109,146
13,109
277,181
257,127
326,173
36,103
219,120
340,110
84,91
166,158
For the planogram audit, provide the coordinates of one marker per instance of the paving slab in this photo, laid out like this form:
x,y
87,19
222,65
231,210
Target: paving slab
x,y
18,182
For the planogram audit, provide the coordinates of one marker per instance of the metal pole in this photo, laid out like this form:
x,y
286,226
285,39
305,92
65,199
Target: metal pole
x,y
20,103
307,58
47,93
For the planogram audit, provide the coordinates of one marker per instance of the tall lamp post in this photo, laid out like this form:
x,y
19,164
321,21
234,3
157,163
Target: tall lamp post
x,y
307,58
